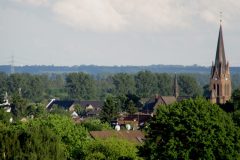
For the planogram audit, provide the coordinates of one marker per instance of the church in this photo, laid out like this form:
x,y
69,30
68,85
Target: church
x,y
220,79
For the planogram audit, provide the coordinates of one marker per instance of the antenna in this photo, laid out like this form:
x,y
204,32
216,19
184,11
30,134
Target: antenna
x,y
12,65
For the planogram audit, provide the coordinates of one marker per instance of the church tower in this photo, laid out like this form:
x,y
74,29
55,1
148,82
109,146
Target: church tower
x,y
220,80
175,87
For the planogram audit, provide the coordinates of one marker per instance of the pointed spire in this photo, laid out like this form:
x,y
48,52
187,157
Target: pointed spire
x,y
220,60
175,87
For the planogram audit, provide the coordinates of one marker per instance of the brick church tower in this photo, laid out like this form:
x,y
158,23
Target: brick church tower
x,y
220,80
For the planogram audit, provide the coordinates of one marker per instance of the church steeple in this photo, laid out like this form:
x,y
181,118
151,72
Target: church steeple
x,y
175,87
220,60
220,81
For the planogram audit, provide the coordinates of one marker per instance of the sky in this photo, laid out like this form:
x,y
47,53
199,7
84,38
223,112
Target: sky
x,y
117,32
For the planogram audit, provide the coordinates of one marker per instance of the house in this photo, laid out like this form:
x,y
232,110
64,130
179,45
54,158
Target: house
x,y
132,136
151,105
6,105
64,104
92,108
136,120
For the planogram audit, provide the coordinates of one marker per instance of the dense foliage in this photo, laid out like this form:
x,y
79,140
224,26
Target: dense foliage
x,y
58,137
110,109
111,149
93,124
82,86
26,141
192,129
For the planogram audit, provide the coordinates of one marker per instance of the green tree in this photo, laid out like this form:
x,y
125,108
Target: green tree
x,y
189,86
206,91
72,135
111,149
4,116
36,109
104,85
34,88
165,84
80,86
92,124
17,81
55,86
3,82
236,99
191,129
59,111
236,117
131,108
80,110
1,98
146,84
18,106
124,83
31,87
30,142
110,109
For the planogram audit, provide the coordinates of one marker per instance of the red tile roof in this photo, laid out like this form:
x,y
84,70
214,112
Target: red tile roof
x,y
133,136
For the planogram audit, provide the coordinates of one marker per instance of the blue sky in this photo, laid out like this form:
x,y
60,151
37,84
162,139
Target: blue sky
x,y
117,32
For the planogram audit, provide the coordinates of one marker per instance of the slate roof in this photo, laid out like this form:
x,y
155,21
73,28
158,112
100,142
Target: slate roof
x,y
133,136
180,98
96,104
154,102
93,113
66,104
168,99
150,105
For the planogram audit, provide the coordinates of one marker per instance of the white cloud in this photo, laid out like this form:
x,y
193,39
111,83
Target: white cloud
x,y
115,15
97,15
33,2
140,15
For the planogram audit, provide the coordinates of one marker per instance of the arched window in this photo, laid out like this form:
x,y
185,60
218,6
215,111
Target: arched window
x,y
228,93
226,90
218,90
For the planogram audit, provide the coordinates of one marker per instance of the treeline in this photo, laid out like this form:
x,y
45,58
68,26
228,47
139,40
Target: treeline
x,y
94,70
82,86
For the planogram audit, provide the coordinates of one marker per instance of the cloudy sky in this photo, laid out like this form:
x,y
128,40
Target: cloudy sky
x,y
117,32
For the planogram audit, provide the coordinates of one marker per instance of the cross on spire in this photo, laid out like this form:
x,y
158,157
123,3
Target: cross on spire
x,y
220,16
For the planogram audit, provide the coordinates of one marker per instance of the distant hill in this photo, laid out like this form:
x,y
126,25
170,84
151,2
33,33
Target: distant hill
x,y
93,69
